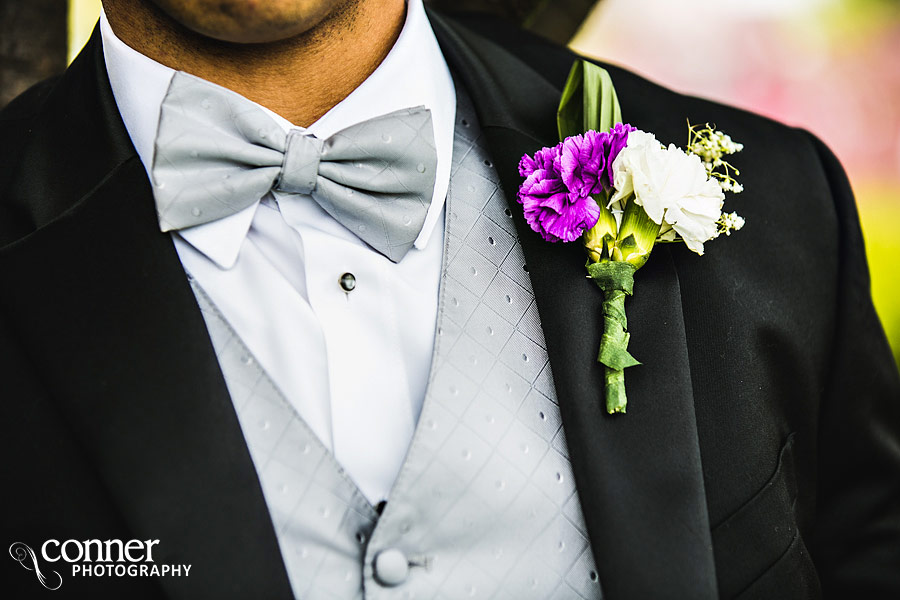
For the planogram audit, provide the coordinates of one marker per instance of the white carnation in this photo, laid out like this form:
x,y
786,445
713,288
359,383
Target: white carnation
x,y
672,186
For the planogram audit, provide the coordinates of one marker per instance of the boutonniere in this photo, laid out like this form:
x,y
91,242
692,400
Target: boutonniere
x,y
620,191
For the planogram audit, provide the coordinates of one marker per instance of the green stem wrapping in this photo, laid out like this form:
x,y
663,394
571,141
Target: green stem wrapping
x,y
614,340
614,383
616,279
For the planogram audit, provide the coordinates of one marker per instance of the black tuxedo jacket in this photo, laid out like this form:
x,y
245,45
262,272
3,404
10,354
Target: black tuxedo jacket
x,y
760,456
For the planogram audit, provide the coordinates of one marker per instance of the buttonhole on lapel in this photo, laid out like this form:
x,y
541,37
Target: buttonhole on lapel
x,y
507,212
488,163
465,123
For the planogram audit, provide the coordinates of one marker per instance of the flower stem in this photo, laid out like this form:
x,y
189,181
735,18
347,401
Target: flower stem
x,y
613,349
616,279
615,390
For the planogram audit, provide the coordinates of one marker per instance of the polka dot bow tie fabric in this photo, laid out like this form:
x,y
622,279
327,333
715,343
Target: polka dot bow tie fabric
x,y
218,153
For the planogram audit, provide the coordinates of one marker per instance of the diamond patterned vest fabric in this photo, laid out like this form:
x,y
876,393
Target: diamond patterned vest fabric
x,y
485,504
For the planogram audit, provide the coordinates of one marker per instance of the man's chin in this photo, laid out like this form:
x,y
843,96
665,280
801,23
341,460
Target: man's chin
x,y
249,21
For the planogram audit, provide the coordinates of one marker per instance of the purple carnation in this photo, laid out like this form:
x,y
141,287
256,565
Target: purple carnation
x,y
587,159
559,182
618,138
551,209
545,159
583,160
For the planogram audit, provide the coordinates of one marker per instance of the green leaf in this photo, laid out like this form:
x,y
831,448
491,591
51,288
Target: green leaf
x,y
570,113
601,105
588,101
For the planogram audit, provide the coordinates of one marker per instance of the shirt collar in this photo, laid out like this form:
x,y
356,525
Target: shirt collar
x,y
413,73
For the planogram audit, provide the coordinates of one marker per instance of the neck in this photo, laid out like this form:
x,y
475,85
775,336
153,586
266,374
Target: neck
x,y
301,78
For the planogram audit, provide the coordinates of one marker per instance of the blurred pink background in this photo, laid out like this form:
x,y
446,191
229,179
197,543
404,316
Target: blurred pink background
x,y
830,66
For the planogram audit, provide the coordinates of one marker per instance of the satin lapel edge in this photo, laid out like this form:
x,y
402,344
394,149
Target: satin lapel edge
x,y
639,475
98,297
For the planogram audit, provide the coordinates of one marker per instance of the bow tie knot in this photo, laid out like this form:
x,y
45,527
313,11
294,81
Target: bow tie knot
x,y
300,168
218,153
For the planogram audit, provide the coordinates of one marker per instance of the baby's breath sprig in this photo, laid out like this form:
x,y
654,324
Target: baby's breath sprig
x,y
711,145
729,222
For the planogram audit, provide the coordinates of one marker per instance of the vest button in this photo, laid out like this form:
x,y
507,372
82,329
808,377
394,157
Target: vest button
x,y
391,567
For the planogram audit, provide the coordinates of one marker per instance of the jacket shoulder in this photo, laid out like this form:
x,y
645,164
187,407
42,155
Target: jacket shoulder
x,y
17,125
58,140
26,105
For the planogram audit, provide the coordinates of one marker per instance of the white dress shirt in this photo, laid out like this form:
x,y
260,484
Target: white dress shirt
x,y
354,365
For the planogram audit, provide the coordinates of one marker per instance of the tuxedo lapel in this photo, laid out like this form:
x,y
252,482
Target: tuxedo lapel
x,y
639,475
99,298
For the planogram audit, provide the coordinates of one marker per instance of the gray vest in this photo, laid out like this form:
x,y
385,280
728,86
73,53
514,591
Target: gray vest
x,y
484,505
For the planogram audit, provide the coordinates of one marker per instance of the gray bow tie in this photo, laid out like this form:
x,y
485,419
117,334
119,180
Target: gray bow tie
x,y
218,153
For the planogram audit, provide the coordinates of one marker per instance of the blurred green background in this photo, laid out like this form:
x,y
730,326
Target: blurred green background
x,y
830,66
